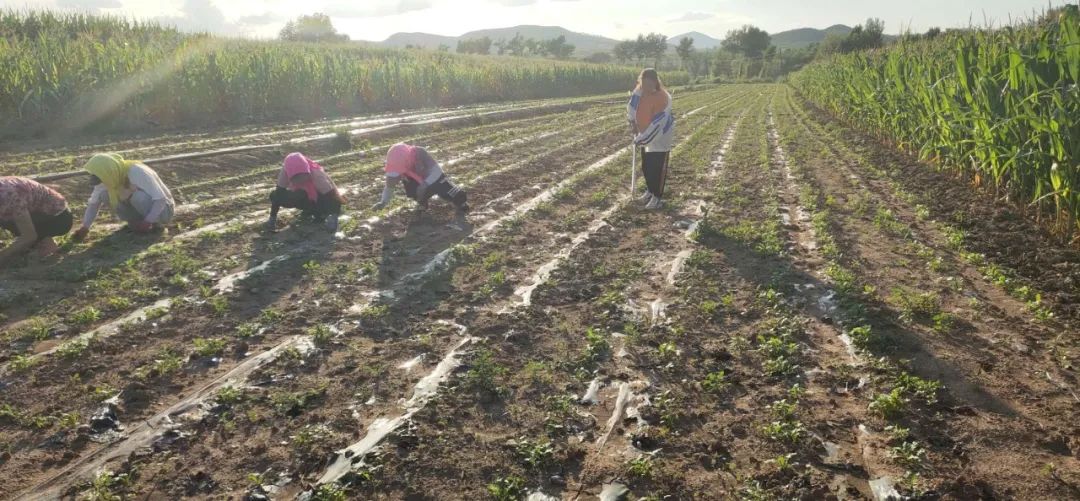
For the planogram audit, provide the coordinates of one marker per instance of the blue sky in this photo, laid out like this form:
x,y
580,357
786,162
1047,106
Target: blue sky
x,y
376,19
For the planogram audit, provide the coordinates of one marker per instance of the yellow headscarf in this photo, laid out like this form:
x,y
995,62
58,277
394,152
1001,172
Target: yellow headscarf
x,y
112,170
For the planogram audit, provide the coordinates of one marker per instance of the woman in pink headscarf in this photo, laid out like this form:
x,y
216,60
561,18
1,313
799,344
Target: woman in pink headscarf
x,y
422,177
303,184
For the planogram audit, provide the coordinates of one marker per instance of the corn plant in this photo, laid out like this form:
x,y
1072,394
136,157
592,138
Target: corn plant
x,y
999,104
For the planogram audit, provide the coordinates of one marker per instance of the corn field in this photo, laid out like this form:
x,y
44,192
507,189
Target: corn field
x,y
78,71
1002,105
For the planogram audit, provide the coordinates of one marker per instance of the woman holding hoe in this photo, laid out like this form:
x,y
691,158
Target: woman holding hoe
x,y
653,126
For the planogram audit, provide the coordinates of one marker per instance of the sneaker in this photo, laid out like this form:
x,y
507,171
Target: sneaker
x,y
332,223
645,197
655,203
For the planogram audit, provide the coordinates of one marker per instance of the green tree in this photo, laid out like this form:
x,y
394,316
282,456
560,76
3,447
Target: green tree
x,y
475,46
750,41
624,51
558,48
314,28
685,49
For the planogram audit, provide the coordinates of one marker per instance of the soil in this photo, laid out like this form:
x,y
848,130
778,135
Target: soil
x,y
566,341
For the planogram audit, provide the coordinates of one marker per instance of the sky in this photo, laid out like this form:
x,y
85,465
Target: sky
x,y
377,19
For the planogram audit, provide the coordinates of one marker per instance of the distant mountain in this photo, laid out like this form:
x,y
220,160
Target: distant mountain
x,y
803,37
425,40
701,40
584,44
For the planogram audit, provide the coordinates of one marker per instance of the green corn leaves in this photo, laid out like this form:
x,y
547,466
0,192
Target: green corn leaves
x,y
1002,103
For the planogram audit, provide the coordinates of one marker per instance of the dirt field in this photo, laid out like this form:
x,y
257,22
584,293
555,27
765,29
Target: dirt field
x,y
811,316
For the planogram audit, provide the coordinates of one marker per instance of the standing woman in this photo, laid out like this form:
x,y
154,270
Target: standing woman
x,y
303,184
34,213
134,191
422,177
653,126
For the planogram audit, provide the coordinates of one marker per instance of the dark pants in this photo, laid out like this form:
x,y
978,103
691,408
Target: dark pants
x,y
444,188
654,166
45,225
326,204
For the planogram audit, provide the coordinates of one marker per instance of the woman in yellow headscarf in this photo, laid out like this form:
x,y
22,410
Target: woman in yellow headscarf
x,y
134,191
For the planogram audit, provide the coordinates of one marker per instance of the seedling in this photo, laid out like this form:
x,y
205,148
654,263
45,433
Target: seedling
x,y
908,454
667,352
783,462
219,305
167,363
511,488
640,467
597,346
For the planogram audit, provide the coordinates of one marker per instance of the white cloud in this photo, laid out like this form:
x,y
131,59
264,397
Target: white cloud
x,y
382,9
693,16
90,5
199,15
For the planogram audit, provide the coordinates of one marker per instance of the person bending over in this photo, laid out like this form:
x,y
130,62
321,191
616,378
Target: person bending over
x,y
422,178
134,191
34,213
303,184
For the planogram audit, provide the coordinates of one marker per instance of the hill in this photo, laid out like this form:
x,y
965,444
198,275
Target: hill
x,y
803,37
701,40
425,40
585,44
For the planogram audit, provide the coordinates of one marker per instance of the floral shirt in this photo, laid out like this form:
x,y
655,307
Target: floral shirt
x,y
18,194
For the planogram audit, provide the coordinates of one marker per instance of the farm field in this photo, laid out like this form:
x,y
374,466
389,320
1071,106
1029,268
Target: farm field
x,y
812,315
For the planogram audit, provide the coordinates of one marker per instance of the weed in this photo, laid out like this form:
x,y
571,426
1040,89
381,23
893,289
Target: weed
x,y
21,363
783,461
908,454
167,363
485,373
207,348
511,488
375,313
86,316
922,212
330,492
889,405
246,330
72,349
293,404
229,395
596,347
944,323
915,305
535,455
640,467
310,437
270,316
785,431
670,408
219,305
117,303
667,352
715,382
863,338
321,335
105,485
919,387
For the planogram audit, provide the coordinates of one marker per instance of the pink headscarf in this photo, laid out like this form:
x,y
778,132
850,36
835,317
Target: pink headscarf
x,y
297,163
401,159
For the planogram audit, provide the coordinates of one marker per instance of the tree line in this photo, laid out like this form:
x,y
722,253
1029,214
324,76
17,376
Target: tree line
x,y
519,46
